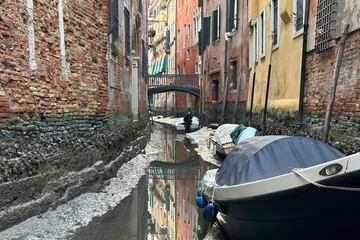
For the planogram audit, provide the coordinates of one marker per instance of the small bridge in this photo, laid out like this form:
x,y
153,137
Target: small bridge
x,y
188,83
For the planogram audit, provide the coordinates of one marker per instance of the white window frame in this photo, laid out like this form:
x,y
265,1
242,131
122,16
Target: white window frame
x,y
262,36
256,40
178,40
218,23
276,46
184,43
301,31
250,51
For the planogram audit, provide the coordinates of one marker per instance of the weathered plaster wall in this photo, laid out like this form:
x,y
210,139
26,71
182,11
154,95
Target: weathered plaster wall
x,y
286,62
214,61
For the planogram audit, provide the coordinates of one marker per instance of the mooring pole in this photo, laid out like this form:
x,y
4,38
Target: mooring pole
x,y
252,98
340,55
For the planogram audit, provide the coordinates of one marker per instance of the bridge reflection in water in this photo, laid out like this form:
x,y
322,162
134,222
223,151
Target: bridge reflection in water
x,y
172,184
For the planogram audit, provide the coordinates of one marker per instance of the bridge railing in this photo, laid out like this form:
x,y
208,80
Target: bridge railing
x,y
174,79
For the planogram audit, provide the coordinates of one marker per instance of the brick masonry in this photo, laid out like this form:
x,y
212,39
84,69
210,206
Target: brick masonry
x,y
320,70
65,120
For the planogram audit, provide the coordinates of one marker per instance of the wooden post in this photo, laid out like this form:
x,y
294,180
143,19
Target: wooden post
x,y
238,88
340,55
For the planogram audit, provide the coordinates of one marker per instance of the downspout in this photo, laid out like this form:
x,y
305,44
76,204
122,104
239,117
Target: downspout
x,y
202,92
303,62
226,82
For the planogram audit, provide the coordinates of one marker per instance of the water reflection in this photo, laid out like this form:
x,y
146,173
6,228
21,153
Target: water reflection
x,y
172,184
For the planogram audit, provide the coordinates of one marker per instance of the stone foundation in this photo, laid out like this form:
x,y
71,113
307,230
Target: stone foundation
x,y
344,134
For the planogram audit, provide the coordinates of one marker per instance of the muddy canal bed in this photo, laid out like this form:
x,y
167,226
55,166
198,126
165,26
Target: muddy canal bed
x,y
162,206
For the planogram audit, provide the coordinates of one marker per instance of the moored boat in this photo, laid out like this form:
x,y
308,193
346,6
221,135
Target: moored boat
x,y
227,136
279,187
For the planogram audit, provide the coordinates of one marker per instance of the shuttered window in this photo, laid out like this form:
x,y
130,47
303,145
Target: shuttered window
x,y
127,32
216,24
143,60
114,26
232,15
205,35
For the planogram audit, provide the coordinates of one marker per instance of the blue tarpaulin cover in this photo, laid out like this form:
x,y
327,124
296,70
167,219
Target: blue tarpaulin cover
x,y
263,157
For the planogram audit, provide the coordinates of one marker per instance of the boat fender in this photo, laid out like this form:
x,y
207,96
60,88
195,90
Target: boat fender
x,y
200,200
210,212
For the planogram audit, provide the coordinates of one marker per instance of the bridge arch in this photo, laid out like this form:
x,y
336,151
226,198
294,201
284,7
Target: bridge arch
x,y
188,83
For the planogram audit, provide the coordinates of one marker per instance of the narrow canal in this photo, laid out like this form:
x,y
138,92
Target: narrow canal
x,y
163,204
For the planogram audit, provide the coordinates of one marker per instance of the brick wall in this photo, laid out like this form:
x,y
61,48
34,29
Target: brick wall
x,y
65,124
319,73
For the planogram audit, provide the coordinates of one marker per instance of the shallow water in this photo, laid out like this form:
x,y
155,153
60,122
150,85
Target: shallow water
x,y
163,204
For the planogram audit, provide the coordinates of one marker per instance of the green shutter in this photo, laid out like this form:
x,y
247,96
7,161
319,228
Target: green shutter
x,y
206,34
216,23
231,15
200,3
167,41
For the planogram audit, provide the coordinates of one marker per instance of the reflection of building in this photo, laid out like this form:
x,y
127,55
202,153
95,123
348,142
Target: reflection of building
x,y
162,194
171,202
185,195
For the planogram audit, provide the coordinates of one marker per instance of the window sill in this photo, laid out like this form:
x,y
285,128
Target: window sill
x,y
297,33
276,47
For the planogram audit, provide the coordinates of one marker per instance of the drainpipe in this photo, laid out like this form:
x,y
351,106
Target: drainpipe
x,y
226,80
303,62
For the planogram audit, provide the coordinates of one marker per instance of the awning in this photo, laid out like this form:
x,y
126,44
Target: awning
x,y
159,66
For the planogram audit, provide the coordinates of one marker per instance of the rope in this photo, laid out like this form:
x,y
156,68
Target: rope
x,y
296,172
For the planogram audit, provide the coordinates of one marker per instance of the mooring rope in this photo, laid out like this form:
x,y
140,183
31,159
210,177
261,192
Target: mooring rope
x,y
297,173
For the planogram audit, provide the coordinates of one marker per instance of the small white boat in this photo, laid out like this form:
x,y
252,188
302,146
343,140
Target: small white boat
x,y
180,124
221,142
279,187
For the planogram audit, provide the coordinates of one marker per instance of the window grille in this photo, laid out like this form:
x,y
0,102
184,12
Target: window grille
x,y
275,29
299,20
325,24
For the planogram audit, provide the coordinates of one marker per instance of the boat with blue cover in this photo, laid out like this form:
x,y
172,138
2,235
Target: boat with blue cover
x,y
281,187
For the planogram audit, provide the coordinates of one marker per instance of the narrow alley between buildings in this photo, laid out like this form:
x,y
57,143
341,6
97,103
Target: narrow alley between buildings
x,y
179,119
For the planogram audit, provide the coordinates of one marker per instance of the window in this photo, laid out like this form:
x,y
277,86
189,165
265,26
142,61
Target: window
x,y
216,24
184,44
143,59
249,51
187,53
215,90
298,16
255,40
196,25
114,26
127,32
232,15
262,35
275,29
233,74
178,40
197,67
325,24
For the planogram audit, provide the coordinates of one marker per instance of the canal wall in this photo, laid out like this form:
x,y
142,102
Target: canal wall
x,y
50,161
65,220
344,134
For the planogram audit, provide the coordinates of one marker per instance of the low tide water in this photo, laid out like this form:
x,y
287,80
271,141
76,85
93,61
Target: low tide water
x,y
162,206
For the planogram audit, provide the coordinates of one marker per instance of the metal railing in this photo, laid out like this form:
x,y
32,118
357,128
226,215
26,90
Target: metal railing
x,y
174,79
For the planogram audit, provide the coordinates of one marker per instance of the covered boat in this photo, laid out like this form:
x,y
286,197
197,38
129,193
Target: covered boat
x,y
227,136
280,187
180,124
